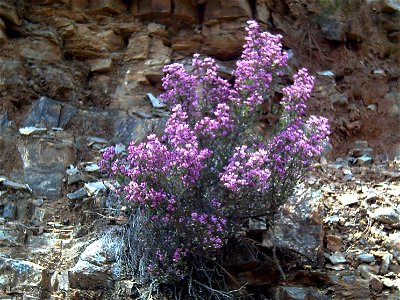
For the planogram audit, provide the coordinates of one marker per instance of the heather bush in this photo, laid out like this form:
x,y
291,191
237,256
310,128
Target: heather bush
x,y
195,187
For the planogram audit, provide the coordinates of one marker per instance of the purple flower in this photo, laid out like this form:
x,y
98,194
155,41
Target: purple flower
x,y
210,160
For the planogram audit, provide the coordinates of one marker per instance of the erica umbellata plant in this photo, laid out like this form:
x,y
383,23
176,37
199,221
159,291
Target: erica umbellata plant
x,y
192,188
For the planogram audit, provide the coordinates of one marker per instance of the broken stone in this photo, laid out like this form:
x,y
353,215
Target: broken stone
x,y
332,28
101,65
93,188
72,170
334,243
108,6
10,211
378,72
15,185
376,284
156,29
347,177
63,281
142,114
327,73
386,215
30,130
348,199
336,258
219,9
138,47
388,282
79,194
127,287
155,101
366,257
339,99
364,161
352,287
386,261
92,168
394,190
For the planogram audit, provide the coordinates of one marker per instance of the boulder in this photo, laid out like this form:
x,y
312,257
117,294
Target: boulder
x,y
39,49
298,226
17,275
222,10
91,43
107,6
138,47
185,11
11,235
94,267
224,40
44,161
152,8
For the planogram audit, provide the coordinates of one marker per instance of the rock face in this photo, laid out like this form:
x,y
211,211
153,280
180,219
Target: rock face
x,y
102,53
298,226
94,267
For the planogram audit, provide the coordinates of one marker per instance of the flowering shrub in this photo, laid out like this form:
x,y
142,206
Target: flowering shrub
x,y
190,189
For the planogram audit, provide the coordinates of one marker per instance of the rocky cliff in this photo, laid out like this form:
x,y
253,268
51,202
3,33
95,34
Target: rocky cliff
x,y
74,78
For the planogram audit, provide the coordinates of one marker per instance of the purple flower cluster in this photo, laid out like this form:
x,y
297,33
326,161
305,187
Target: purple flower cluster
x,y
247,169
261,58
301,139
180,87
185,156
184,181
295,97
203,95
